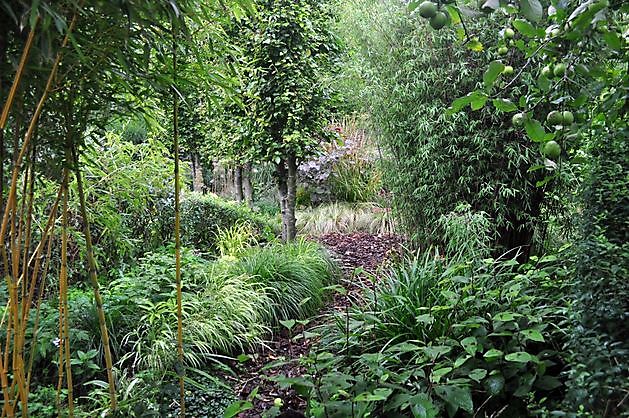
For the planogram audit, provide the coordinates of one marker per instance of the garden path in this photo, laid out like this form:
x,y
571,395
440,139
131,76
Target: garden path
x,y
356,254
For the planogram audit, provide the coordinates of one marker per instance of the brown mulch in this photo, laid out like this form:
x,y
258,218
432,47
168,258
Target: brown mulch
x,y
357,254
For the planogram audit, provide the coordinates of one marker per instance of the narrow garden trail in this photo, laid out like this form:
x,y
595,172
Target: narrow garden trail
x,y
355,253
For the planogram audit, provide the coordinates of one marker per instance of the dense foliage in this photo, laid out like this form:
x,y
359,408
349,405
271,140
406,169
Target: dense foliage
x,y
437,161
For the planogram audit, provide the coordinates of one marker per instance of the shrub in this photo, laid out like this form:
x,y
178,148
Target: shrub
x,y
600,378
203,216
441,337
347,170
434,161
294,276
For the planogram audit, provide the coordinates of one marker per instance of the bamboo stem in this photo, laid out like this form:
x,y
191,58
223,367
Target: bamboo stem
x,y
31,129
40,295
63,293
18,76
94,280
180,354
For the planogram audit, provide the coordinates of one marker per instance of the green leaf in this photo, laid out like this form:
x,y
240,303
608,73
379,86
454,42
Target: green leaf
x,y
426,319
533,335
236,408
379,394
535,130
493,354
613,40
470,345
505,105
519,357
456,396
505,316
478,101
494,384
527,29
461,360
288,323
439,373
475,45
491,74
459,104
436,351
477,374
531,9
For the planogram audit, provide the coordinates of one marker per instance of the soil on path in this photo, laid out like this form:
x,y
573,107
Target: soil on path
x,y
355,253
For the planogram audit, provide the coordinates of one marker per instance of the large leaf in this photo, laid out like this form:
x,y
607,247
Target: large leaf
x,y
534,130
491,74
527,29
456,396
505,105
531,9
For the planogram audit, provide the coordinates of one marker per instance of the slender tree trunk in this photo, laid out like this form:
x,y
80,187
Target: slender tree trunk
x,y
197,174
287,187
282,188
246,184
291,220
238,183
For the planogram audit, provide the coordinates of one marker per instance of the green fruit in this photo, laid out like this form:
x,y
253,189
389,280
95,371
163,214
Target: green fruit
x,y
503,50
554,118
509,33
552,150
559,70
518,119
427,9
567,117
547,71
438,21
508,70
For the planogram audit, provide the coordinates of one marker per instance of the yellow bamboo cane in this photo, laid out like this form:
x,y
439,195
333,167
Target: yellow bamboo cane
x,y
63,293
94,280
180,354
18,76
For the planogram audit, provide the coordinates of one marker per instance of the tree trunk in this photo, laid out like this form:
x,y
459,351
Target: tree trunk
x,y
197,174
291,220
287,188
238,182
282,188
246,184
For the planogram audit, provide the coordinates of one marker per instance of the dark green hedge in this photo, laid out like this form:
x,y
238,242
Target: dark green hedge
x,y
202,216
600,343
